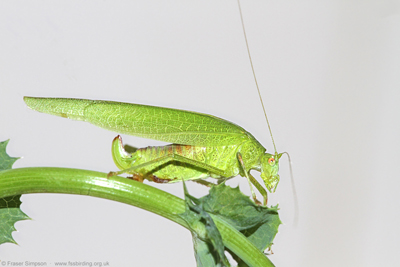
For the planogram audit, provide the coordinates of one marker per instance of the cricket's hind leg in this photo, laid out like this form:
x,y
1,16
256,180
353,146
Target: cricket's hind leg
x,y
125,162
141,178
122,158
157,162
204,182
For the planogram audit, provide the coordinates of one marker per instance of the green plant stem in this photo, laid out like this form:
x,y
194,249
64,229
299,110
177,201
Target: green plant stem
x,y
96,184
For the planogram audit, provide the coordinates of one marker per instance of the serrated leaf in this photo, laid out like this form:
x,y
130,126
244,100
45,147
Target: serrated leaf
x,y
260,224
10,211
207,241
263,235
6,161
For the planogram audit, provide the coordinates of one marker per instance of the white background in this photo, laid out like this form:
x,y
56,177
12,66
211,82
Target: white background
x,y
329,73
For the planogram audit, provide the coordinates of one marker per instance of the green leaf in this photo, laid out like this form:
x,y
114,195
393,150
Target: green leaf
x,y
10,211
207,241
259,224
263,235
6,161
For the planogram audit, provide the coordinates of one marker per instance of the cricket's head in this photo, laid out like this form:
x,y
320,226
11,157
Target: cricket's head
x,y
269,170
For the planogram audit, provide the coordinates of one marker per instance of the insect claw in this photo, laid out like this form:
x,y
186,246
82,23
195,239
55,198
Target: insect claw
x,y
257,202
136,177
111,174
269,251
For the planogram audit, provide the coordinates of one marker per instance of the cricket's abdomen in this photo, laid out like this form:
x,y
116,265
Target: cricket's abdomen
x,y
223,157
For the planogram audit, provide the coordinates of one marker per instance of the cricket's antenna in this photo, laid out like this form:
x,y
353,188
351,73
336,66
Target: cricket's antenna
x,y
254,74
296,202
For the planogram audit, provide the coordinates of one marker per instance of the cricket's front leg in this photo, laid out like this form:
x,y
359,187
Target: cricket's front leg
x,y
253,181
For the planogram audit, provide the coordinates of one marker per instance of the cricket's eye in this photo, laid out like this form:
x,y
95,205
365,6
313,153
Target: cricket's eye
x,y
271,161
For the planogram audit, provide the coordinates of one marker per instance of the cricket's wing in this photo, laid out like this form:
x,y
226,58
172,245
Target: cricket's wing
x,y
164,124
